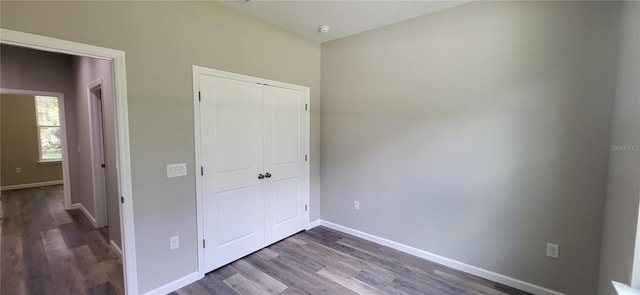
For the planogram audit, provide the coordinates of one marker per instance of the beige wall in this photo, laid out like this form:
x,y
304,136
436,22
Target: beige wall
x,y
479,133
162,40
621,211
20,143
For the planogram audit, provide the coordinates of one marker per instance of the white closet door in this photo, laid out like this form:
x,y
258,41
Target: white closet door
x,y
232,156
286,191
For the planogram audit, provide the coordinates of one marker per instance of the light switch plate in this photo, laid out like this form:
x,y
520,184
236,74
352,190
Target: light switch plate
x,y
176,170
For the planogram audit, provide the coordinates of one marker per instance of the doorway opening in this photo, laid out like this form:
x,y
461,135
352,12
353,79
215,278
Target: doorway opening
x,y
121,143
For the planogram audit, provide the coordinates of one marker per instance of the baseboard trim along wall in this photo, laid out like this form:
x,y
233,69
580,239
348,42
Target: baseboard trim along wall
x,y
31,185
496,277
86,213
116,248
314,223
175,285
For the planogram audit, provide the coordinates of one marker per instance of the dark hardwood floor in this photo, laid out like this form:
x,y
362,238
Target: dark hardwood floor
x,y
47,250
324,261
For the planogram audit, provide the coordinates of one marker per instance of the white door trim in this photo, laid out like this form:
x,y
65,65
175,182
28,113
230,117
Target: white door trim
x,y
123,165
63,128
198,172
197,70
635,270
96,142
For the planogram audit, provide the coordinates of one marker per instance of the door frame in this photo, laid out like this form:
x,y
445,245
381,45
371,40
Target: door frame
x,y
197,71
635,269
123,156
97,151
63,128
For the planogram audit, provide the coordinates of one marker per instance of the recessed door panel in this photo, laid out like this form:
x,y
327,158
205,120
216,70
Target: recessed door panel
x,y
235,145
286,200
286,133
236,215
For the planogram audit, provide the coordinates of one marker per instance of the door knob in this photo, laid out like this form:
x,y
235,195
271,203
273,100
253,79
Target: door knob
x,y
260,176
267,175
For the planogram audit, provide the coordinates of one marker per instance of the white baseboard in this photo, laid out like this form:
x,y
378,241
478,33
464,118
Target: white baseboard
x,y
86,213
175,285
30,185
496,277
313,224
116,248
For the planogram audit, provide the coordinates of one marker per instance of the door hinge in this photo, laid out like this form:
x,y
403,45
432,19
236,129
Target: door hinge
x,y
306,107
305,207
199,96
204,243
306,158
121,199
201,170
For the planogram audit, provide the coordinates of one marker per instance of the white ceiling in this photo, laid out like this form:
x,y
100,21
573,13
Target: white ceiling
x,y
344,17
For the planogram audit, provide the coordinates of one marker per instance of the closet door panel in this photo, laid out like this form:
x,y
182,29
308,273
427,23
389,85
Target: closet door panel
x,y
286,200
286,194
231,135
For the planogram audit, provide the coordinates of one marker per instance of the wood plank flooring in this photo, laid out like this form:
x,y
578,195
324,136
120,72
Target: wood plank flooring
x,y
324,261
47,250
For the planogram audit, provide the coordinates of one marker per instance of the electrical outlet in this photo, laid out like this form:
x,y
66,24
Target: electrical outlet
x,y
18,169
356,205
553,250
174,243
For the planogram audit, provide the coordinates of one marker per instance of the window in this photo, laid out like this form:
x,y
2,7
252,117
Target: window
x,y
49,135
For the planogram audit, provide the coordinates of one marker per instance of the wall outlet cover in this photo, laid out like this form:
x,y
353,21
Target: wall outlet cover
x,y
553,250
174,242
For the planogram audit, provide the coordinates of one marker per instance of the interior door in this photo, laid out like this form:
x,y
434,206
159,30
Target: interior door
x,y
232,158
285,145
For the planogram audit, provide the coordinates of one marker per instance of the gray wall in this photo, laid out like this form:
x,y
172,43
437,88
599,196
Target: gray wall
x,y
478,133
87,71
27,69
621,211
162,40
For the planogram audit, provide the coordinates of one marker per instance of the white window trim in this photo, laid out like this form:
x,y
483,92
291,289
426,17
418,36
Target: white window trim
x,y
52,161
38,126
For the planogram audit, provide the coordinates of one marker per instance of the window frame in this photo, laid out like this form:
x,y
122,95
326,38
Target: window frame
x,y
38,128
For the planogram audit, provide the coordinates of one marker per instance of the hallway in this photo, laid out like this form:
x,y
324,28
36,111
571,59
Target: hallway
x,y
47,250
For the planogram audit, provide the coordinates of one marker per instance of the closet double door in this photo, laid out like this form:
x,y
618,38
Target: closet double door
x,y
254,174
